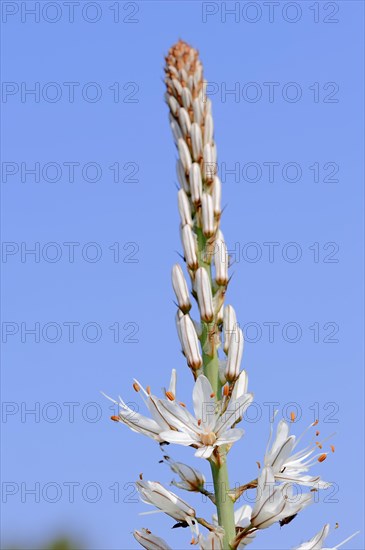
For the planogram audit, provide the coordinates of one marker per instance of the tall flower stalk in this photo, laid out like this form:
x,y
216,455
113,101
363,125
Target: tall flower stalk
x,y
213,349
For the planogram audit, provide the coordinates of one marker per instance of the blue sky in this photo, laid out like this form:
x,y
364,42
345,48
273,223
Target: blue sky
x,y
99,211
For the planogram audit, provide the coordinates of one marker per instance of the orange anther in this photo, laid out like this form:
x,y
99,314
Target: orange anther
x,y
115,418
170,396
136,386
322,457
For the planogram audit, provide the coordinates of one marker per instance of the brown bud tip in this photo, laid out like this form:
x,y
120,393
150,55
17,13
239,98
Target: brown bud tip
x,y
332,448
115,418
170,395
225,390
292,416
258,465
322,457
148,531
314,490
136,386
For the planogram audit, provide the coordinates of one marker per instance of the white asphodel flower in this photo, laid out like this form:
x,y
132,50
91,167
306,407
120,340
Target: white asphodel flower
x,y
316,543
152,492
290,467
275,502
210,428
152,427
150,541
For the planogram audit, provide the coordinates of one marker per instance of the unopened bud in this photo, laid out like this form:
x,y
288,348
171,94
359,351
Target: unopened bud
x,y
190,344
180,288
173,104
181,176
184,121
221,262
204,293
195,180
240,387
191,479
196,141
207,215
217,196
175,130
177,86
209,163
229,326
197,110
189,245
184,208
234,355
184,153
208,129
186,97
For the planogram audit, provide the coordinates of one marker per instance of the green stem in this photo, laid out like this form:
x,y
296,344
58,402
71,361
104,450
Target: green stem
x,y
223,502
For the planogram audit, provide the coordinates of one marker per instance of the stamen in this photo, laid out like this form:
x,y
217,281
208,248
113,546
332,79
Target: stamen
x,y
225,390
182,404
332,448
115,418
199,422
170,395
318,445
212,394
141,476
317,433
148,390
322,457
292,416
258,465
337,525
136,387
315,423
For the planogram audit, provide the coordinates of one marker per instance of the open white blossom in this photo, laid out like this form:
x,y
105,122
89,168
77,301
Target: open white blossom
x,y
289,466
210,428
316,543
212,541
275,502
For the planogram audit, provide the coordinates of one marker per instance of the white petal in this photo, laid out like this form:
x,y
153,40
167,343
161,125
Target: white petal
x,y
179,438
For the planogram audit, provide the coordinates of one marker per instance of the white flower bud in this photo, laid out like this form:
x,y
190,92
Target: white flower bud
x,y
173,104
184,208
190,343
217,196
208,129
184,154
209,163
207,215
197,110
177,86
180,288
221,262
186,98
191,479
175,130
149,541
181,176
196,140
240,387
179,315
196,184
234,355
183,74
229,326
184,121
190,246
173,70
204,293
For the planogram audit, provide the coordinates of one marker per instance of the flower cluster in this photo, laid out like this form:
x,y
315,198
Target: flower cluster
x,y
213,349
